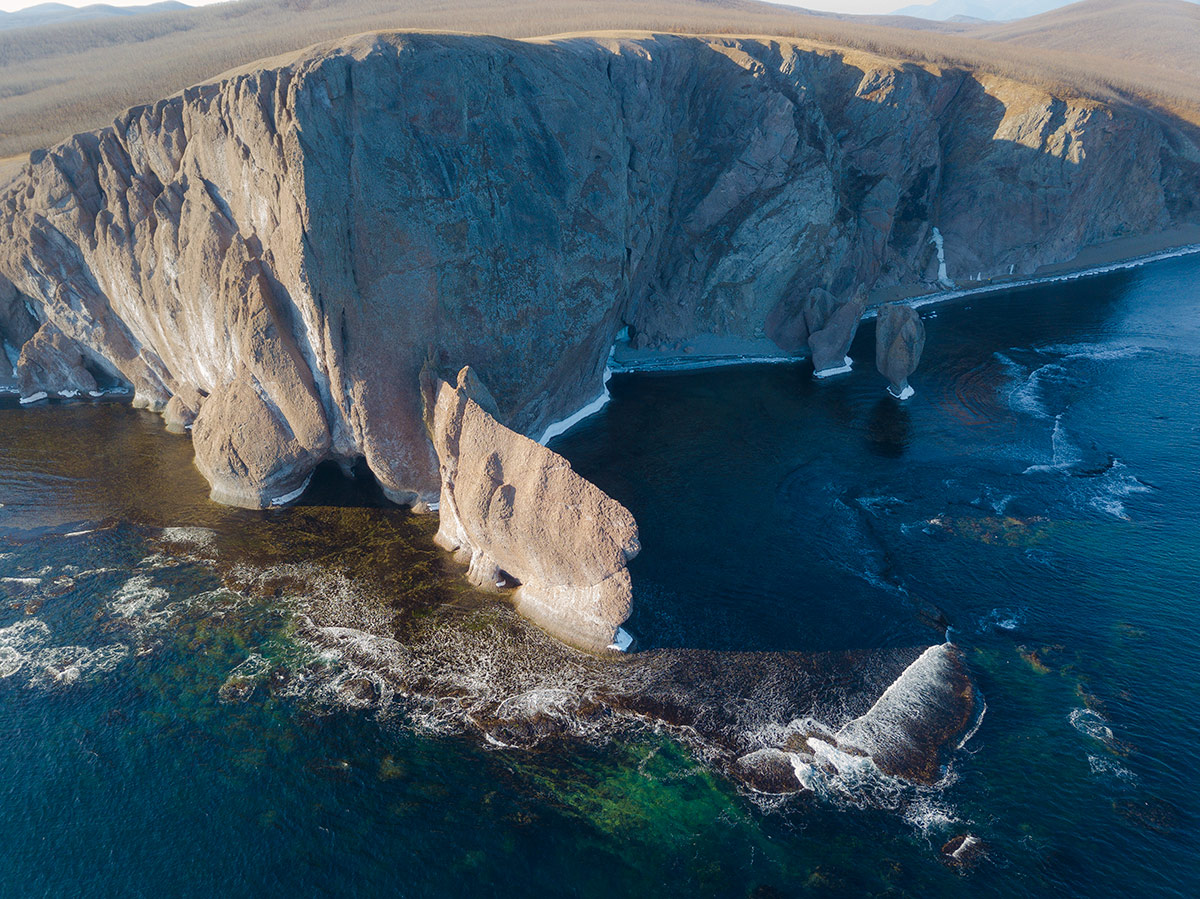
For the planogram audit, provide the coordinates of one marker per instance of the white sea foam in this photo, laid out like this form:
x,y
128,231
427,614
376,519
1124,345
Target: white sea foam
x,y
1116,485
1002,619
189,536
66,665
884,727
1108,769
294,495
558,428
1028,396
878,503
1091,724
1093,352
846,366
33,397
905,394
17,643
930,815
137,597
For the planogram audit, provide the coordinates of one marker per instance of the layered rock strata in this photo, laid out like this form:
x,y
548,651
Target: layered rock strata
x,y
899,342
284,248
519,517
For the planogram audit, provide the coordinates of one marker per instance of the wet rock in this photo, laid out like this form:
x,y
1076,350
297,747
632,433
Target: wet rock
x,y
768,771
899,342
51,362
830,343
511,508
963,851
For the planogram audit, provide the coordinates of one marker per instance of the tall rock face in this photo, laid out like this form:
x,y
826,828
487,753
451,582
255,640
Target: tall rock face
x,y
512,509
899,342
282,250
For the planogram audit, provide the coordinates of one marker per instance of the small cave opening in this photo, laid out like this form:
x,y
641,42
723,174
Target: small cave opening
x,y
345,482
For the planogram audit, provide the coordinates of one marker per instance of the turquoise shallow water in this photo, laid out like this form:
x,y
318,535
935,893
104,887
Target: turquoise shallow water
x,y
170,727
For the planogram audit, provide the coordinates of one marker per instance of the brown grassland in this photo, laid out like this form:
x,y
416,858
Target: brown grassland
x,y
56,80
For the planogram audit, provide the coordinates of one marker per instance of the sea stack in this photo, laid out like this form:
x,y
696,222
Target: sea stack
x,y
832,332
899,340
519,516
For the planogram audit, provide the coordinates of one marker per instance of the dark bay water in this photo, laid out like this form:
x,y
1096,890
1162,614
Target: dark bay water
x,y
169,724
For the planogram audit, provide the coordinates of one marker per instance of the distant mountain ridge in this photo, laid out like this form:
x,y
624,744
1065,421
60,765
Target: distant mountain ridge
x,y
984,10
54,13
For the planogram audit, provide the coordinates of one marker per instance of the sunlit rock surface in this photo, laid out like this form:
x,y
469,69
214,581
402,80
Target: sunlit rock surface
x,y
518,516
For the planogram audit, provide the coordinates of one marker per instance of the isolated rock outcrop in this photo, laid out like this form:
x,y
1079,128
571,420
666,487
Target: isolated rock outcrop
x,y
295,239
515,511
832,332
899,342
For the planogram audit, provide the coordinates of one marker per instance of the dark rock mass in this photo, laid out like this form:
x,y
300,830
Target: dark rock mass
x,y
294,241
830,342
899,342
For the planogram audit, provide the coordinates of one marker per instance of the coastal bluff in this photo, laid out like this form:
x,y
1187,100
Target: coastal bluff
x,y
272,257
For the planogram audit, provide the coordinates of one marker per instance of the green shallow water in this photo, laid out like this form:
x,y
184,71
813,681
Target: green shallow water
x,y
171,726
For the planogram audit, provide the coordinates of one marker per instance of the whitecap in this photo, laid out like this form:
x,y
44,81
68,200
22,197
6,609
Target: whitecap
x,y
136,597
66,665
1107,769
1091,724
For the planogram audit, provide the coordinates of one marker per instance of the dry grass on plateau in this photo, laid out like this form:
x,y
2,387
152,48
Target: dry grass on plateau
x,y
59,79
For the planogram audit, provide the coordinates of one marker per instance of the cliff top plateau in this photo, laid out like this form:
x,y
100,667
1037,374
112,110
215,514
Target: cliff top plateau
x,y
61,78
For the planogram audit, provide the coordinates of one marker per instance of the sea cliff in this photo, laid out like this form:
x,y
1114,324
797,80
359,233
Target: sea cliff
x,y
279,253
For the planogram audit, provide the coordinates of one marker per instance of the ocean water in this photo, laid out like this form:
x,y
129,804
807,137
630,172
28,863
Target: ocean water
x,y
200,700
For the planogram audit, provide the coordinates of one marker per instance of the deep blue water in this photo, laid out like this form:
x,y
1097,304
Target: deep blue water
x,y
168,729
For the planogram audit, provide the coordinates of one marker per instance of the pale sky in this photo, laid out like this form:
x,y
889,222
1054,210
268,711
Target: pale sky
x,y
849,6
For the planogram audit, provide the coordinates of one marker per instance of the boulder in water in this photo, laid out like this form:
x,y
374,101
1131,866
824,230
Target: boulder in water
x,y
899,341
769,771
182,408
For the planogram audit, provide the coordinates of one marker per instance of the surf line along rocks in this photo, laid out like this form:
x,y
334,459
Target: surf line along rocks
x,y
519,517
